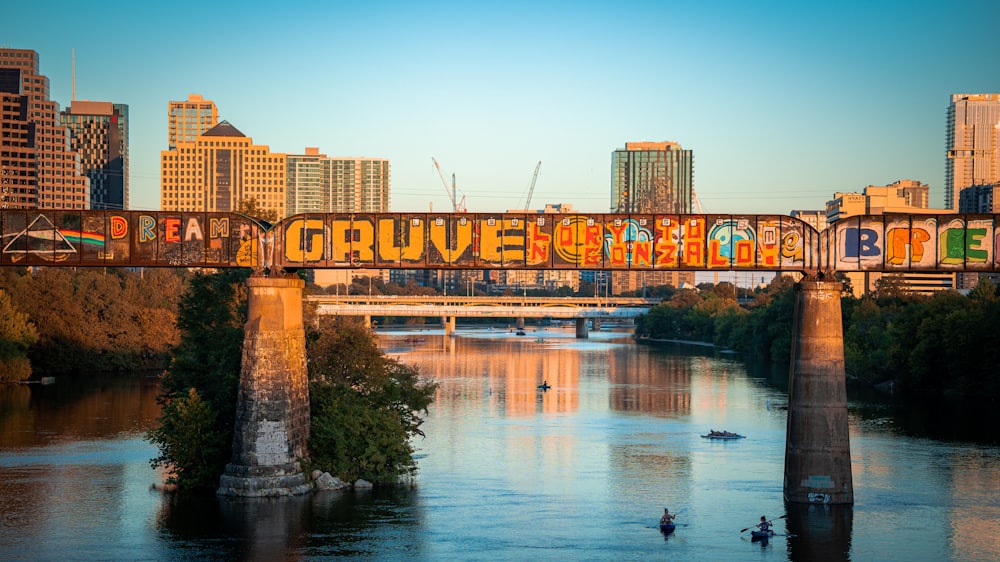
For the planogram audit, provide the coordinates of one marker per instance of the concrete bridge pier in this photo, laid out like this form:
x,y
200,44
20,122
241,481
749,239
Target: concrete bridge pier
x,y
519,323
596,323
448,323
817,446
272,410
367,319
581,329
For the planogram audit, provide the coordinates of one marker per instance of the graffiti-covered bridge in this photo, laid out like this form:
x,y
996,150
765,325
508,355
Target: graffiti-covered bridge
x,y
273,404
884,243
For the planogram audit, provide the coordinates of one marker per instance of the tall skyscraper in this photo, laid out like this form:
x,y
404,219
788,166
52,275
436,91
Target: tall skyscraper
x,y
188,119
99,135
973,144
37,167
218,170
321,184
651,177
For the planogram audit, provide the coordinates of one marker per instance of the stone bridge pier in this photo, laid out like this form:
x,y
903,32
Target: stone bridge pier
x,y
817,442
272,410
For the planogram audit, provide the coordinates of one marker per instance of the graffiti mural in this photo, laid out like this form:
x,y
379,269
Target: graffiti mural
x,y
553,241
945,242
128,238
914,243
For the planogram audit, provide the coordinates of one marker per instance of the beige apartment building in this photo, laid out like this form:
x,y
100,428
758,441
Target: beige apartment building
x,y
318,183
218,170
188,119
903,196
37,167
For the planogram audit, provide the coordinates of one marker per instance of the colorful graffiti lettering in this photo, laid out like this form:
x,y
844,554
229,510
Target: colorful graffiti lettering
x,y
516,241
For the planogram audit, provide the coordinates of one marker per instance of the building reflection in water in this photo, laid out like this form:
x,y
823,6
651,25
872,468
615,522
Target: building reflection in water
x,y
658,385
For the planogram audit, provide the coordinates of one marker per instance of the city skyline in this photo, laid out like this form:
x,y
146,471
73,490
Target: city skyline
x,y
782,104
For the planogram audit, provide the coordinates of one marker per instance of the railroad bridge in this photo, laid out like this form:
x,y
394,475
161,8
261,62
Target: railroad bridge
x,y
273,408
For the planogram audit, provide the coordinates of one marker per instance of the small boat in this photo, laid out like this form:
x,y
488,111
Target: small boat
x,y
545,386
519,332
761,535
729,436
539,340
667,527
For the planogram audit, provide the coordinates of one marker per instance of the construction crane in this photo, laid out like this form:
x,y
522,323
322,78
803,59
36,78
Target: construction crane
x,y
527,201
696,201
457,205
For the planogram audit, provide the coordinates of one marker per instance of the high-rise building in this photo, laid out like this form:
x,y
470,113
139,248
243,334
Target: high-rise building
x,y
37,167
321,184
99,135
318,183
651,177
219,169
188,119
973,144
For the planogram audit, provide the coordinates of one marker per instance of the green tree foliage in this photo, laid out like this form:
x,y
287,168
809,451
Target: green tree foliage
x,y
190,442
17,334
252,209
942,344
712,314
96,319
365,406
199,390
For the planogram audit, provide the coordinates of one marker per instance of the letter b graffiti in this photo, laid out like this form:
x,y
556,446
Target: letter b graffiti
x,y
860,242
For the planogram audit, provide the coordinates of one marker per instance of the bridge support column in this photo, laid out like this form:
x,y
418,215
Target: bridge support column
x,y
581,328
597,324
367,319
449,325
519,323
272,409
817,446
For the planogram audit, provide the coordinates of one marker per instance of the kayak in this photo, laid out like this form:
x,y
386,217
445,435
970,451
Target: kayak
x,y
724,436
762,534
667,527
544,387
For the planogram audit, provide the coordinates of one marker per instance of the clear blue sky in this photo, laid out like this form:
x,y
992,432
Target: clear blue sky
x,y
783,103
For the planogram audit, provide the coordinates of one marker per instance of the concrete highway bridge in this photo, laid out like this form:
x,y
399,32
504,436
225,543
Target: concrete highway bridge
x,y
273,401
579,309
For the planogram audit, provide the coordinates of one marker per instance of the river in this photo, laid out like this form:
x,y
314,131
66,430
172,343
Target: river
x,y
581,471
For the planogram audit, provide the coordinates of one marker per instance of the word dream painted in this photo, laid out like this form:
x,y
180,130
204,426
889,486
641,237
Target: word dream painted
x,y
491,241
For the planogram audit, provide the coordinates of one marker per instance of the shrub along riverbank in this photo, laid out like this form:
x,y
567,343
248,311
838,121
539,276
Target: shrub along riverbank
x,y
364,406
946,343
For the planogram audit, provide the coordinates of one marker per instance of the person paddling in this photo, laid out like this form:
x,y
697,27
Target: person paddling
x,y
765,525
667,518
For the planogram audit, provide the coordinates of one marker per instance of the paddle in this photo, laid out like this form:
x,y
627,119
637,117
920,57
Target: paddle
x,y
758,524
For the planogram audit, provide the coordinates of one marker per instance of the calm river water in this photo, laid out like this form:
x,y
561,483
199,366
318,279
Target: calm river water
x,y
508,472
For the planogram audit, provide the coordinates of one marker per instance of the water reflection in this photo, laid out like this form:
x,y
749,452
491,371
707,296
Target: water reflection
x,y
581,471
658,385
822,532
76,409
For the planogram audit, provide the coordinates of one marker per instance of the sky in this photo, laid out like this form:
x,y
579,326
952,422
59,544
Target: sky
x,y
783,103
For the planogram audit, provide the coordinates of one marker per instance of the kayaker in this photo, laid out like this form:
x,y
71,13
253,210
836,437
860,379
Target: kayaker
x,y
667,518
765,525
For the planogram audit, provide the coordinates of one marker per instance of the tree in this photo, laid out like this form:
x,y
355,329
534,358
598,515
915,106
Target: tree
x,y
200,388
250,208
17,334
365,407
